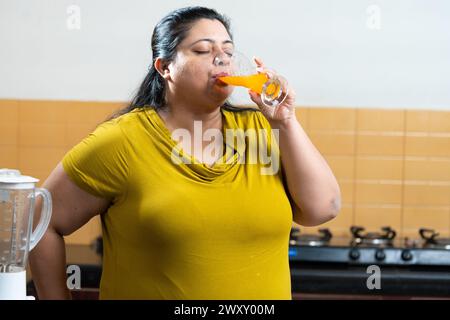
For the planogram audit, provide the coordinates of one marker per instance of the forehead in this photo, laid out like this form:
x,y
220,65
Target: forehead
x,y
207,29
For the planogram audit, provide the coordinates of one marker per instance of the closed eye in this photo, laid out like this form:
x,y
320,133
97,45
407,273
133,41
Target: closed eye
x,y
230,54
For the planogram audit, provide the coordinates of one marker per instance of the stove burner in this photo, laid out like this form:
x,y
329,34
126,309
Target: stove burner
x,y
432,239
312,240
372,238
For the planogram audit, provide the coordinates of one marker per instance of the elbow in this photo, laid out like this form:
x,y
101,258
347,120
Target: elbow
x,y
335,206
326,212
333,203
319,213
60,230
332,206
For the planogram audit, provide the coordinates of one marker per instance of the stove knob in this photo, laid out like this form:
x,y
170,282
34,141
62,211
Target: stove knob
x,y
354,254
407,255
380,255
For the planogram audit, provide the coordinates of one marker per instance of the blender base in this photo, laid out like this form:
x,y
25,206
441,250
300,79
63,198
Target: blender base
x,y
13,286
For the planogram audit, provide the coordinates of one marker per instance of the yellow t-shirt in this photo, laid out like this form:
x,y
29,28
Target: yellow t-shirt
x,y
185,230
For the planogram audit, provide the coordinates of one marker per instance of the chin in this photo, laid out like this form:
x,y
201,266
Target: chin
x,y
222,95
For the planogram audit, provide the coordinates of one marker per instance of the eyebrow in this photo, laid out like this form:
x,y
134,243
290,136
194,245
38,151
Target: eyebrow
x,y
212,41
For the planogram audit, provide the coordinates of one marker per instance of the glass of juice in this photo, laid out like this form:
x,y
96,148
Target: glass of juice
x,y
272,87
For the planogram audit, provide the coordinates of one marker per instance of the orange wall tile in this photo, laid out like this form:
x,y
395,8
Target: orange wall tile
x,y
328,119
9,111
379,145
377,217
380,120
42,111
303,117
379,168
437,218
427,121
419,194
378,193
42,135
343,166
347,191
427,169
430,146
9,156
8,133
333,143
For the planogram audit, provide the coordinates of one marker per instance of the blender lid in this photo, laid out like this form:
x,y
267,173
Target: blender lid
x,y
14,176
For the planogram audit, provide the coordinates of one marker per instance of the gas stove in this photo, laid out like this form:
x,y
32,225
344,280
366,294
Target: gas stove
x,y
433,241
409,267
365,248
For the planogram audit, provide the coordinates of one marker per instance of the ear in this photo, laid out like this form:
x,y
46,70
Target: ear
x,y
162,67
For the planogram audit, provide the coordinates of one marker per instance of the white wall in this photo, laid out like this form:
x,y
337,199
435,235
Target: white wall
x,y
324,48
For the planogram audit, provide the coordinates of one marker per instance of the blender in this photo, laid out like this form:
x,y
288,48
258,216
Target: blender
x,y
17,237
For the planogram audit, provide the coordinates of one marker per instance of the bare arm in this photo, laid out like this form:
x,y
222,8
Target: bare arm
x,y
311,183
72,208
314,192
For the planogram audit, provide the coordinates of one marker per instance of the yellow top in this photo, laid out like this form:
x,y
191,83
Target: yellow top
x,y
185,230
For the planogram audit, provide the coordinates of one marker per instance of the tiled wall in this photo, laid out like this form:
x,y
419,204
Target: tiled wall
x,y
35,135
393,166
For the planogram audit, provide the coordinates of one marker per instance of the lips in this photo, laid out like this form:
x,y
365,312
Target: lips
x,y
220,74
216,79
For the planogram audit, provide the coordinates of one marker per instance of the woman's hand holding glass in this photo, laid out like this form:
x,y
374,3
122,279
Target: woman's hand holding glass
x,y
285,109
269,90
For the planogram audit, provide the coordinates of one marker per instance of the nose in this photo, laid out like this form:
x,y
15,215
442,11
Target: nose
x,y
222,59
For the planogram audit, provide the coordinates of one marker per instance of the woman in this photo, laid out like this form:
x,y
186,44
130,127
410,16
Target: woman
x,y
209,228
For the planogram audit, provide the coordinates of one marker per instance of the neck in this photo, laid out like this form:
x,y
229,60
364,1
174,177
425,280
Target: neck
x,y
182,116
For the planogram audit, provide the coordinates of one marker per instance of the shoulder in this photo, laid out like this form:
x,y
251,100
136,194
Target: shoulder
x,y
110,137
123,127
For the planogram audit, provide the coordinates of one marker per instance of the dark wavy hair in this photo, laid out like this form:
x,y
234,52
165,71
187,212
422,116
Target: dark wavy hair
x,y
167,35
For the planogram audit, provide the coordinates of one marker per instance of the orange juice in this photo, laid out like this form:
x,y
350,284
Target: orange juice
x,y
255,82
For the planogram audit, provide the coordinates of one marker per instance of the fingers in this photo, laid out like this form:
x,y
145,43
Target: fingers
x,y
259,62
256,98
